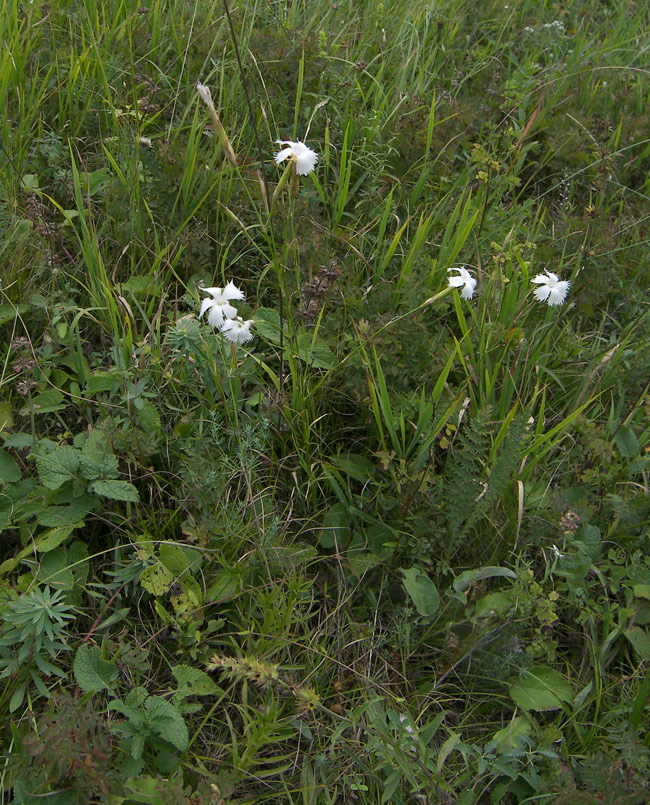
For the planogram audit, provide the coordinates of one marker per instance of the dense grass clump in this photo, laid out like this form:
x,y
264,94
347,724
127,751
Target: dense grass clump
x,y
382,538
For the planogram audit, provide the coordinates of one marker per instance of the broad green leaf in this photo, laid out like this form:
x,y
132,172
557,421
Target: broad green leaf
x,y
194,682
336,530
166,721
355,465
97,460
91,671
640,641
9,312
464,581
173,558
9,470
47,402
98,382
73,512
507,737
267,324
641,590
498,603
156,579
627,442
58,467
6,417
53,537
541,688
115,490
422,591
149,417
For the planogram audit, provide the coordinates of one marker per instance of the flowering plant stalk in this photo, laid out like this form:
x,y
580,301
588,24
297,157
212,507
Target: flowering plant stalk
x,y
206,97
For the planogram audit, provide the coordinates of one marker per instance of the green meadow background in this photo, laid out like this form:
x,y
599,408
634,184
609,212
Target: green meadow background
x,y
395,548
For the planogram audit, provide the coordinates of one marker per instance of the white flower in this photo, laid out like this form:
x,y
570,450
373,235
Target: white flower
x,y
237,330
305,158
464,279
205,94
219,305
551,289
556,552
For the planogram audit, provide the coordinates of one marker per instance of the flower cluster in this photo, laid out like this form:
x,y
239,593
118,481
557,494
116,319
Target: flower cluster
x,y
222,315
550,288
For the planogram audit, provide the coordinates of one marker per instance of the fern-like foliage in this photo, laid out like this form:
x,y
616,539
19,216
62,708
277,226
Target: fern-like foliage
x,y
471,485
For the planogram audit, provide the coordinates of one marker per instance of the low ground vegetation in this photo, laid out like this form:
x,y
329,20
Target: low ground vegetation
x,y
324,478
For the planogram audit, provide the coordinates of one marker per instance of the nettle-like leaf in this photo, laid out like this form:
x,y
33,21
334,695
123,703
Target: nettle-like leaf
x,y
91,671
165,720
57,467
97,460
116,490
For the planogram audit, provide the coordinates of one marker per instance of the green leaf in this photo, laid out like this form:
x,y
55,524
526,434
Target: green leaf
x,y
627,442
173,558
17,697
6,417
640,641
91,671
58,467
156,579
115,490
9,312
422,590
53,537
464,581
641,590
9,470
267,324
541,688
166,721
98,382
149,417
47,402
194,682
336,529
507,737
96,459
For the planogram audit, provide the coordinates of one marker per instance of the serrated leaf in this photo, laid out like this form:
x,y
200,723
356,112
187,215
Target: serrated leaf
x,y
99,382
149,417
194,682
58,467
97,460
422,591
19,440
116,490
166,721
47,402
9,470
91,672
541,688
